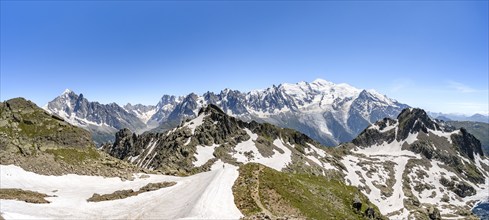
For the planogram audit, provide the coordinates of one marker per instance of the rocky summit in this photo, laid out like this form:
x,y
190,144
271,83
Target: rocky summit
x,y
327,112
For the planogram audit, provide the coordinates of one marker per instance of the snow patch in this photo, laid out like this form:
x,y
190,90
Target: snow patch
x,y
204,154
188,141
194,123
145,116
446,135
277,161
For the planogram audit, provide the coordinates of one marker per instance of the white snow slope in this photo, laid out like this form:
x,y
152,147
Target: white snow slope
x,y
205,195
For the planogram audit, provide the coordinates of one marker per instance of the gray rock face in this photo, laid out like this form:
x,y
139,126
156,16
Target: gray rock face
x,y
103,120
76,108
412,121
467,144
480,130
143,112
164,107
434,213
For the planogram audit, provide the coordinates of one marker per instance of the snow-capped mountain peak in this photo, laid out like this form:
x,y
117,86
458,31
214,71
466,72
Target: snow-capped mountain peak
x,y
103,119
328,112
66,91
143,112
320,81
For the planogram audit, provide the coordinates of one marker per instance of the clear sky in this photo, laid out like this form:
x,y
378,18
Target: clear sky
x,y
429,54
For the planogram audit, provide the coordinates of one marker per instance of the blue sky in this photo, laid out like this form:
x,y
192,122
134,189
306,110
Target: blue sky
x,y
431,54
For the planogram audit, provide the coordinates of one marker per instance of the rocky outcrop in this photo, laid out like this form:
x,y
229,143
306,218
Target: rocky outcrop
x,y
122,194
460,188
434,213
377,136
467,144
413,120
480,130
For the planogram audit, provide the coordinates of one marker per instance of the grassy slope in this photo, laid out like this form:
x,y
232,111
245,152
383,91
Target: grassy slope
x,y
297,195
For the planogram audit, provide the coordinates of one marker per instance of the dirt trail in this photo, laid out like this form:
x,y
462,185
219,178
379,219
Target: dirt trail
x,y
256,195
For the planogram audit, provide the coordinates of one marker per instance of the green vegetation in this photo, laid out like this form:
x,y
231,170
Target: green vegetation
x,y
74,156
23,195
297,195
244,188
30,129
22,123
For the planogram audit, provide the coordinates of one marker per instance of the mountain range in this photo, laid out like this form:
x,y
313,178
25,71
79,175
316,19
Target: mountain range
x,y
51,169
327,112
460,117
219,166
408,167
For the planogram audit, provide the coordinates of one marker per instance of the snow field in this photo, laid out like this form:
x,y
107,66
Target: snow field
x,y
196,122
312,153
204,154
205,195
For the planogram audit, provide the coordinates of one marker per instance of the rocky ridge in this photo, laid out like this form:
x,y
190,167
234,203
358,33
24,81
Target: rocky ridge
x,y
196,144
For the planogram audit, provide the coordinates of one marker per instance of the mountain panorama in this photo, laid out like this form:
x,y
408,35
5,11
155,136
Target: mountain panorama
x,y
327,112
313,150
